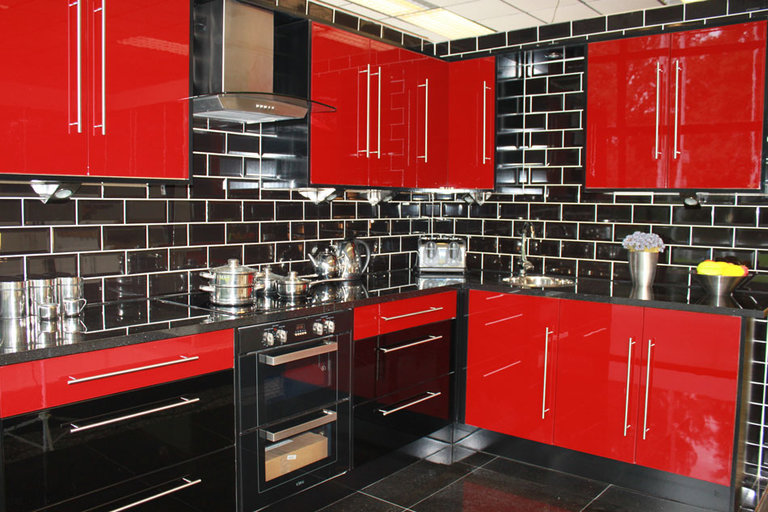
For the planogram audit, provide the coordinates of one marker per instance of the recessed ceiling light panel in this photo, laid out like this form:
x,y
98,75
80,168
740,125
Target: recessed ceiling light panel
x,y
390,7
446,23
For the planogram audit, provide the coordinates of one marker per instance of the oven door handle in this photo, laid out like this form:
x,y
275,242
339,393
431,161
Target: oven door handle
x,y
298,355
328,417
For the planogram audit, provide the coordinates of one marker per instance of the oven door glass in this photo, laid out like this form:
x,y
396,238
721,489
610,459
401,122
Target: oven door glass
x,y
286,457
297,378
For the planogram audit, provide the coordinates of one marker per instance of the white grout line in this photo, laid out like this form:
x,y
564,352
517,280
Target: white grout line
x,y
595,498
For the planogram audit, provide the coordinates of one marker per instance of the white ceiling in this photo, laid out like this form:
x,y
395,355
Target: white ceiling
x,y
505,15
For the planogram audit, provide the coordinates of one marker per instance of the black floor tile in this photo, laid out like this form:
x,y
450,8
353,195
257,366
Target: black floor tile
x,y
503,485
454,454
616,499
360,502
416,482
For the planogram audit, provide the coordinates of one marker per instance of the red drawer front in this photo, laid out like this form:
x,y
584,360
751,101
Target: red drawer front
x,y
47,383
366,322
403,314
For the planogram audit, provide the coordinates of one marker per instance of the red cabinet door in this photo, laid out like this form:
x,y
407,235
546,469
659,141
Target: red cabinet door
x,y
688,394
598,377
341,142
717,84
43,104
510,360
389,166
626,105
472,107
139,125
428,92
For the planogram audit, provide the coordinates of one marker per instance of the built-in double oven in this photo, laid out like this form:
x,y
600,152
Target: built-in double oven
x,y
293,406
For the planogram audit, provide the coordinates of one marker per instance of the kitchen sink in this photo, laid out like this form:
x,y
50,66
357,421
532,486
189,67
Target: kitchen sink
x,y
538,281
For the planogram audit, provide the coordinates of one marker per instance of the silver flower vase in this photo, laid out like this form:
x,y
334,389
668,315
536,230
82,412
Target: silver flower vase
x,y
642,269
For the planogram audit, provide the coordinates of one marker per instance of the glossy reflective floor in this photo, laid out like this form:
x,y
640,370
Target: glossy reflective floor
x,y
457,479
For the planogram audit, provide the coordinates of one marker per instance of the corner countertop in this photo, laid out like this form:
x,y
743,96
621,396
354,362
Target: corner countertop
x,y
133,321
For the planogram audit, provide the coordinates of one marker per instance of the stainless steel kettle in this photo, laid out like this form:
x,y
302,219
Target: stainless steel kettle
x,y
326,263
349,262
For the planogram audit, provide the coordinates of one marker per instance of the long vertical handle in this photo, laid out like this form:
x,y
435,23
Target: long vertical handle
x,y
656,152
378,120
544,409
647,388
485,119
79,62
425,85
678,68
367,73
101,10
626,399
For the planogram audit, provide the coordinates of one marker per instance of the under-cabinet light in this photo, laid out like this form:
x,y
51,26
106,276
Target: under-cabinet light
x,y
446,23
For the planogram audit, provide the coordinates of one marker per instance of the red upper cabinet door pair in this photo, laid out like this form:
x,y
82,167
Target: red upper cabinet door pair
x,y
396,112
682,110
99,88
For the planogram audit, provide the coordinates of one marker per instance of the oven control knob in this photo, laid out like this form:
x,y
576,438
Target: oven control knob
x,y
268,338
281,335
317,328
329,325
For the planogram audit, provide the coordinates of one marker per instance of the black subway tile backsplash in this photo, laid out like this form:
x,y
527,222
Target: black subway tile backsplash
x,y
100,212
101,264
37,213
625,20
664,15
145,212
706,9
75,239
124,237
206,234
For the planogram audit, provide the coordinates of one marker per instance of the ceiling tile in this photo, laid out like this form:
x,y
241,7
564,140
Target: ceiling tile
x,y
511,22
617,6
566,13
483,9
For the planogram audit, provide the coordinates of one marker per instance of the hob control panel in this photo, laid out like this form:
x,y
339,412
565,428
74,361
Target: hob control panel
x,y
275,334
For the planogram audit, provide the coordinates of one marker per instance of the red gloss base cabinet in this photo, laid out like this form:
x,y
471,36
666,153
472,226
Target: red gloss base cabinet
x,y
660,109
68,379
98,89
648,386
510,364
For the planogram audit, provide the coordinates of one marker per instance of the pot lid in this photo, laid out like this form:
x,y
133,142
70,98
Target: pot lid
x,y
233,266
293,278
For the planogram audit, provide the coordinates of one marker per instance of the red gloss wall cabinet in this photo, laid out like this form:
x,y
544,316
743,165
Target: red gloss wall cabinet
x,y
400,121
510,364
682,110
472,109
99,89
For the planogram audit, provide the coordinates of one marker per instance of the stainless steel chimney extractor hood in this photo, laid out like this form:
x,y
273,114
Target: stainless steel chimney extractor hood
x,y
234,66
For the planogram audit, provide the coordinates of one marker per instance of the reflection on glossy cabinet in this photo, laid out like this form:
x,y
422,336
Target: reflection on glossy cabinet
x,y
99,89
510,364
688,394
598,376
662,108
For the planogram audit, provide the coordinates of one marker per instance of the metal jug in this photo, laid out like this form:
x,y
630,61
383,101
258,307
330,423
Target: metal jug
x,y
350,264
326,263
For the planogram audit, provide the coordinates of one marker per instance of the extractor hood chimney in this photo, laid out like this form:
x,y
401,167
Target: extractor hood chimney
x,y
234,64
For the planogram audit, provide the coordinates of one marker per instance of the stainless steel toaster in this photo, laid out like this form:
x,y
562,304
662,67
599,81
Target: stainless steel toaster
x,y
441,254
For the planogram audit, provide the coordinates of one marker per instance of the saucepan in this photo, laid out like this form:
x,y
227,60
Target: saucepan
x,y
231,284
294,286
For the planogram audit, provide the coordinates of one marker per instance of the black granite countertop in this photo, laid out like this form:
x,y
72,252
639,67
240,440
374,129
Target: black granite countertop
x,y
134,321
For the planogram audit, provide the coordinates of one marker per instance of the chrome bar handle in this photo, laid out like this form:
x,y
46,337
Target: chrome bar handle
x,y
181,359
678,68
544,409
378,120
79,60
183,401
290,357
425,85
656,152
497,296
367,73
102,10
626,399
187,483
647,389
501,369
485,119
428,339
398,317
326,418
429,395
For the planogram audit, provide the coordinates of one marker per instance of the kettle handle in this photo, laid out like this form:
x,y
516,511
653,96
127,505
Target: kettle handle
x,y
367,254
